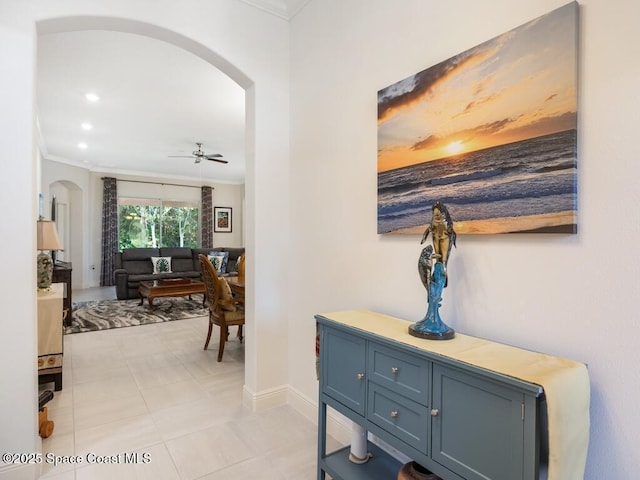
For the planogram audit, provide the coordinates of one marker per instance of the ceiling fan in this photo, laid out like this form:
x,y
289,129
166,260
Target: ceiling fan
x,y
199,155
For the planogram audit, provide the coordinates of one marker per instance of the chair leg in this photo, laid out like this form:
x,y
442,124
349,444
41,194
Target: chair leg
x,y
240,333
206,344
224,333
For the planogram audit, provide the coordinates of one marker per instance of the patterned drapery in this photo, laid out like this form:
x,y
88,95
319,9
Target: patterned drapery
x,y
109,230
207,218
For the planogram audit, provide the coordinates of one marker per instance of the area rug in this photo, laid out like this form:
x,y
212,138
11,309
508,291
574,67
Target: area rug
x,y
106,314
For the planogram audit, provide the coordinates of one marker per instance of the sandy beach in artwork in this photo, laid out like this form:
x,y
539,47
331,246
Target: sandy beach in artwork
x,y
561,222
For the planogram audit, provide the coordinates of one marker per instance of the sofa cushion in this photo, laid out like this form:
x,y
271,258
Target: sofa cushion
x,y
176,252
139,253
181,258
234,252
137,260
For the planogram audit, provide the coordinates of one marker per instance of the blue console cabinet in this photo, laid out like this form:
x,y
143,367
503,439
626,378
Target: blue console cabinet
x,y
456,419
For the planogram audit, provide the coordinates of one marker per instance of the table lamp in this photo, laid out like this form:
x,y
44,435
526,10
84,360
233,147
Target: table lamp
x,y
47,240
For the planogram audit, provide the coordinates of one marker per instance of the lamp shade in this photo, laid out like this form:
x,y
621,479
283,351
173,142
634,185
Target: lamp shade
x,y
48,236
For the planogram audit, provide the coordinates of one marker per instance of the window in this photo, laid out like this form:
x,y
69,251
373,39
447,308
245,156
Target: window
x,y
158,223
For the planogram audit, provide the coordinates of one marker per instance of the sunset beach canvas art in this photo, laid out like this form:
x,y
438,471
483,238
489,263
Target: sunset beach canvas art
x,y
490,132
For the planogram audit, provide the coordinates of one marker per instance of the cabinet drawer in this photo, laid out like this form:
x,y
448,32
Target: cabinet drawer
x,y
401,417
401,372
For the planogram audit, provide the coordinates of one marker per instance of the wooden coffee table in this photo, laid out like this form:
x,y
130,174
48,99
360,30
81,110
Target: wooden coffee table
x,y
170,287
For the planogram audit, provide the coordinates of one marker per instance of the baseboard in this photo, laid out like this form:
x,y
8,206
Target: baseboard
x,y
264,400
303,405
19,472
338,426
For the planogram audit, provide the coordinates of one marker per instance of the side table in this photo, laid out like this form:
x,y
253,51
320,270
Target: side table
x,y
62,274
50,335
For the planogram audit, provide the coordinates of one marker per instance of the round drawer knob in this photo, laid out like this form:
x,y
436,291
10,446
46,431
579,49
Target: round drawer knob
x,y
434,412
360,376
394,414
394,370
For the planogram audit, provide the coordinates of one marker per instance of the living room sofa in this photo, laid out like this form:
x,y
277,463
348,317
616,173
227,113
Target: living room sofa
x,y
134,265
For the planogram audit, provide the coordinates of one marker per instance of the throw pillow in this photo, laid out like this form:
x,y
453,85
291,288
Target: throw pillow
x,y
216,262
224,258
161,264
225,294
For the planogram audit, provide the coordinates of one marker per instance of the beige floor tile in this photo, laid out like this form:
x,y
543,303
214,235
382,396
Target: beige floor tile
x,y
157,360
132,347
207,451
296,461
159,376
98,357
150,463
153,390
57,445
104,389
166,396
118,437
55,475
275,429
186,418
259,467
109,410
102,372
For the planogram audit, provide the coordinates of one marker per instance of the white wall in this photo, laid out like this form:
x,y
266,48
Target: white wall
x,y
227,195
74,181
18,194
572,296
253,48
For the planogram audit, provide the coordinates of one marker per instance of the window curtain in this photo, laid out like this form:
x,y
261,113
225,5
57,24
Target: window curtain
x,y
207,217
109,230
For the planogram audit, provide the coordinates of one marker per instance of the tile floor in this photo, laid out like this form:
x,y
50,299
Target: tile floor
x,y
152,390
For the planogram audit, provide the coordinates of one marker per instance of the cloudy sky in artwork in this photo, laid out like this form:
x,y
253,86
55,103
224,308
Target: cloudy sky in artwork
x,y
521,84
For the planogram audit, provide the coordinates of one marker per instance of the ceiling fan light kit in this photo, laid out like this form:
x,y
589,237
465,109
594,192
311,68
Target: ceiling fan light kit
x,y
199,155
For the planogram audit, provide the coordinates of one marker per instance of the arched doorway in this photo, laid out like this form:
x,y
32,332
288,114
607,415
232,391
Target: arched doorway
x,y
64,25
69,218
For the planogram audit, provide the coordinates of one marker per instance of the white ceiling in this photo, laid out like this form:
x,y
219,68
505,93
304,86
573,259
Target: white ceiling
x,y
156,100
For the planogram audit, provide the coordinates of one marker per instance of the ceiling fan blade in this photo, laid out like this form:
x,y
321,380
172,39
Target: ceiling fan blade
x,y
214,155
180,156
219,160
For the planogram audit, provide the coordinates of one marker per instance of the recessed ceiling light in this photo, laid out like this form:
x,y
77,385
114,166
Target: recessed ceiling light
x,y
92,97
86,126
82,145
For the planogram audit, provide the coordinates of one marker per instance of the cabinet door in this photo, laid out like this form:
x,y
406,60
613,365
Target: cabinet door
x,y
343,361
477,426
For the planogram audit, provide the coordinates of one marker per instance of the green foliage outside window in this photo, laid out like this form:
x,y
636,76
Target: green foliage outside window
x,y
152,223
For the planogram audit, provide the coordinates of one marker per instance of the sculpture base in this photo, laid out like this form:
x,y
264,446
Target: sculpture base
x,y
448,334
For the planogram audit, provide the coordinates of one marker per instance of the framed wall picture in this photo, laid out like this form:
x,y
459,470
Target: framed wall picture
x,y
491,132
222,220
